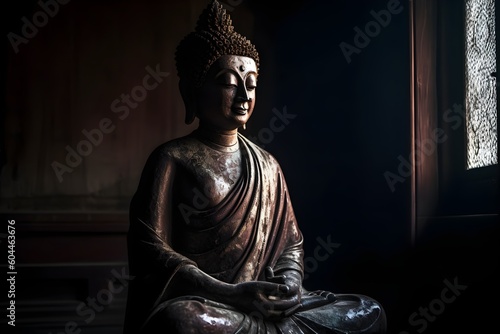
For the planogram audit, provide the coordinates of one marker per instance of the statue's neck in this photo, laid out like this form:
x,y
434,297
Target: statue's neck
x,y
226,140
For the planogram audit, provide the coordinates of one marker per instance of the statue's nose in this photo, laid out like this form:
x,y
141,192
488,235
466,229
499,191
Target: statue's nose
x,y
243,98
242,94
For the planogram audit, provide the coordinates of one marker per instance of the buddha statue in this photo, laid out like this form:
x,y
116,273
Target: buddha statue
x,y
214,245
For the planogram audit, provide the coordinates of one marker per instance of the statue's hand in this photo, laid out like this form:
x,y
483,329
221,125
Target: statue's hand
x,y
289,278
290,300
266,298
261,297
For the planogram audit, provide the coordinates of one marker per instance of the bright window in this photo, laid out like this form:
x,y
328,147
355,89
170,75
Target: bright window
x,y
480,86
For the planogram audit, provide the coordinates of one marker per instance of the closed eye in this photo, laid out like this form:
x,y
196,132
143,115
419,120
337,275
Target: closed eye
x,y
227,85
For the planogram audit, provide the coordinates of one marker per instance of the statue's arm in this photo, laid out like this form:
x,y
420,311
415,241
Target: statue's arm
x,y
292,257
149,244
289,267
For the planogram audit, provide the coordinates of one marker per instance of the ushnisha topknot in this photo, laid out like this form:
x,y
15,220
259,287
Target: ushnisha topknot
x,y
214,36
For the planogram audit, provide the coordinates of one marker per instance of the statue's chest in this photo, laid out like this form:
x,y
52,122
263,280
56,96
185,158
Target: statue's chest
x,y
213,174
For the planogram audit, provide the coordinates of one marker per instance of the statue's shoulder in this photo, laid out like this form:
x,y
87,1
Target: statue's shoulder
x,y
175,150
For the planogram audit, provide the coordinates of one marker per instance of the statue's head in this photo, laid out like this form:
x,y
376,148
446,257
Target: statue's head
x,y
217,68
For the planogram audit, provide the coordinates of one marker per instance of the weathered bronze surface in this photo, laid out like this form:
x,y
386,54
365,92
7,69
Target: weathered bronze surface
x,y
214,244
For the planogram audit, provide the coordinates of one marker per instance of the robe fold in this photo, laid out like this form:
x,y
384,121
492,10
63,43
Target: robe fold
x,y
253,227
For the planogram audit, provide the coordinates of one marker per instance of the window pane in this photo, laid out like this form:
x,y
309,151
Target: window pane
x,y
480,87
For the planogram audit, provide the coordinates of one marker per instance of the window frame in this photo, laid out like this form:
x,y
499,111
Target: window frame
x,y
441,184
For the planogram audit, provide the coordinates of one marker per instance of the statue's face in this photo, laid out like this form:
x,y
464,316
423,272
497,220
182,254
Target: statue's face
x,y
227,99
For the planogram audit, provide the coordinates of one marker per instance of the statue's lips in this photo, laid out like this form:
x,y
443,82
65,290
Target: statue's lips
x,y
240,111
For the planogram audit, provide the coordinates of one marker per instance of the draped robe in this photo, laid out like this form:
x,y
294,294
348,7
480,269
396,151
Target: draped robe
x,y
253,227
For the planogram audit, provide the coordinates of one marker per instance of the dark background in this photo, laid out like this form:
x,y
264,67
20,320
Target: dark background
x,y
353,121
